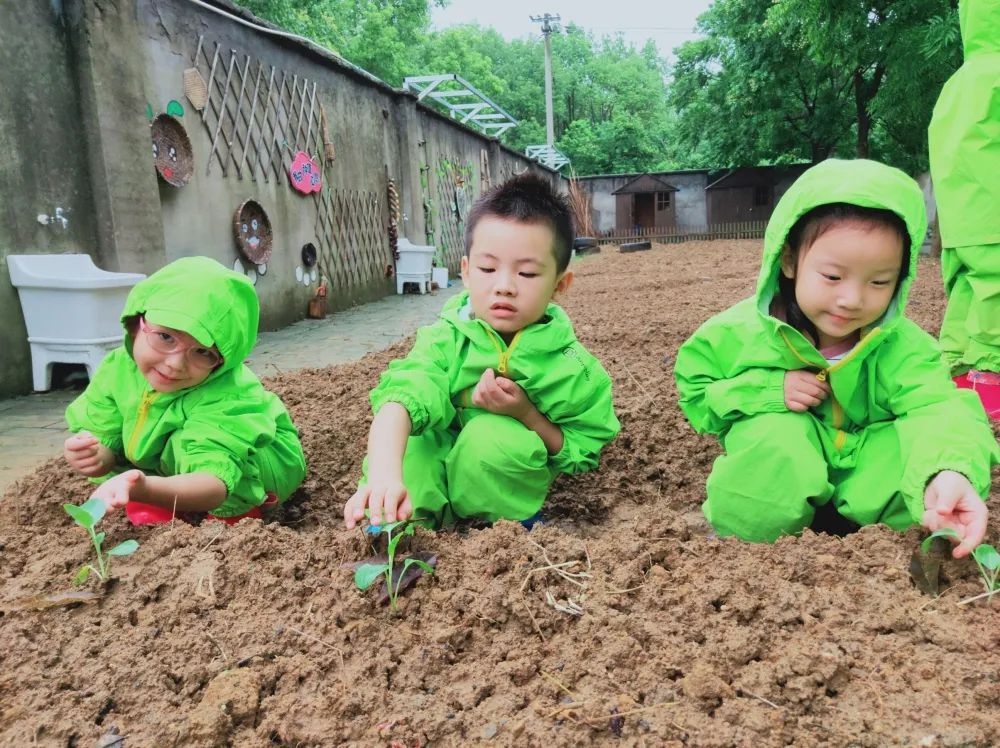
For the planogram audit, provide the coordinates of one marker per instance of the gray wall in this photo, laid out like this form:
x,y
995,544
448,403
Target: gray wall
x,y
77,77
43,162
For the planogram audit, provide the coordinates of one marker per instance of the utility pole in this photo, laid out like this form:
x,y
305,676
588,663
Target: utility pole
x,y
549,24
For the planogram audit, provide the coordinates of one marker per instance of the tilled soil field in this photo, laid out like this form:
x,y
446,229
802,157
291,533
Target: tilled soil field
x,y
620,621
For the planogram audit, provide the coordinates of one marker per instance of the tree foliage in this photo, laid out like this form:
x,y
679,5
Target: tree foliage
x,y
770,81
807,79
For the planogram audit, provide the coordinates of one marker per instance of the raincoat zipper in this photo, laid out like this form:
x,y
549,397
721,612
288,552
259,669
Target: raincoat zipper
x,y
824,373
140,421
504,364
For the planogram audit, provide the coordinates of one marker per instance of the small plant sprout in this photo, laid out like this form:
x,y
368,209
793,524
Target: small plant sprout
x,y
367,574
988,561
87,515
986,557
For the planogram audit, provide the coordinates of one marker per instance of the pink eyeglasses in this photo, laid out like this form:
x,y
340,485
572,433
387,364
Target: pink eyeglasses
x,y
162,341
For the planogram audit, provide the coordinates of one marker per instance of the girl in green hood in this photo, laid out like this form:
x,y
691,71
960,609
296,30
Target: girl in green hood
x,y
174,421
821,392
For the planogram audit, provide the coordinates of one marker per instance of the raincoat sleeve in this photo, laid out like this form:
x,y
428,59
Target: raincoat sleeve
x,y
940,427
587,420
713,393
96,409
218,437
420,381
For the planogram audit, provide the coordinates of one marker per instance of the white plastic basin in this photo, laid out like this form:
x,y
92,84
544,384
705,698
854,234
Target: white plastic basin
x,y
71,309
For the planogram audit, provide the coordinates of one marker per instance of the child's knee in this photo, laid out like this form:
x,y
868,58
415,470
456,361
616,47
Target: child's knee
x,y
765,484
499,444
498,469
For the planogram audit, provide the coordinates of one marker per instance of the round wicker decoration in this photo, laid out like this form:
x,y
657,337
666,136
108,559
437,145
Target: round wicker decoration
x,y
252,229
172,154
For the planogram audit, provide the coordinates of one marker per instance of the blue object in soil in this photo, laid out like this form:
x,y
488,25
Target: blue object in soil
x,y
535,519
373,529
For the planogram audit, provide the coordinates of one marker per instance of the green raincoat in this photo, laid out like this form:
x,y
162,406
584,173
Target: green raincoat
x,y
964,141
463,461
228,426
894,418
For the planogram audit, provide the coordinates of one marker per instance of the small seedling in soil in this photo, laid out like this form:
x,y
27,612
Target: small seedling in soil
x,y
367,573
87,515
988,561
926,562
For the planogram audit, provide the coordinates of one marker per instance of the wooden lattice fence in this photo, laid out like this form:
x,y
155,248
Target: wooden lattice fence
x,y
257,117
455,194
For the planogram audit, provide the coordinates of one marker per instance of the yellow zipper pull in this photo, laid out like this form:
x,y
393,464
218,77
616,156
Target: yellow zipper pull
x,y
502,367
821,375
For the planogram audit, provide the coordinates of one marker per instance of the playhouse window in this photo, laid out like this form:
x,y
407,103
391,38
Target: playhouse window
x,y
662,200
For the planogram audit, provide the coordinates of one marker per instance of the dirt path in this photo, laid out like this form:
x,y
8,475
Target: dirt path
x,y
255,636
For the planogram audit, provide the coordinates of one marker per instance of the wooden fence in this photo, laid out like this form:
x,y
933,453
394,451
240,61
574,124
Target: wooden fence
x,y
677,234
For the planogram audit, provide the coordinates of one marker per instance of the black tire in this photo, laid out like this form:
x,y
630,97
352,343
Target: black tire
x,y
635,246
584,242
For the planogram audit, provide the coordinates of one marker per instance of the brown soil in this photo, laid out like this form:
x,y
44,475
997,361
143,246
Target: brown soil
x,y
256,636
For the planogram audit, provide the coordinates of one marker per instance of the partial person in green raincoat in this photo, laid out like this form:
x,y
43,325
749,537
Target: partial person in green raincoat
x,y
174,421
498,396
964,140
825,397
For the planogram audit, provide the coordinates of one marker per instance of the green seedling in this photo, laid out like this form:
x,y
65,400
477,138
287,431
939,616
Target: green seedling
x,y
986,557
925,564
988,561
367,574
87,515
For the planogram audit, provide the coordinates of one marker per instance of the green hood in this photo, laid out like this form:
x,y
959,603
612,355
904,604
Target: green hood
x,y
980,22
203,298
860,182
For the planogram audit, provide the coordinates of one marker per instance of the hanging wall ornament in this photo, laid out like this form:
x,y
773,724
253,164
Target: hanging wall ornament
x,y
304,174
253,232
172,155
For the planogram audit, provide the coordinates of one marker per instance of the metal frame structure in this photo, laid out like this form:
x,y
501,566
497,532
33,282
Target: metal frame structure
x,y
465,103
546,155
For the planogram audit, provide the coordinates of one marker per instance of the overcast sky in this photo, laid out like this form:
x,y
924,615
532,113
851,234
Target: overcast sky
x,y
669,23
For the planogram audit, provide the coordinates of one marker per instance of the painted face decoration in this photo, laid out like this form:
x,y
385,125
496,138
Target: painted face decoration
x,y
253,232
304,174
171,150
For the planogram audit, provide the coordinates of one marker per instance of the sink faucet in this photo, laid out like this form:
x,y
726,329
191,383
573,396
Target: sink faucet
x,y
61,216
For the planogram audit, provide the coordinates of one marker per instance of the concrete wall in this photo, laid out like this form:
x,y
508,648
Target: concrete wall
x,y
43,162
77,78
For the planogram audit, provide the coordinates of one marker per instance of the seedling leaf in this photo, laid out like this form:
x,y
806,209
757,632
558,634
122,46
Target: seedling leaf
x,y
987,556
946,532
366,574
79,515
99,538
125,548
82,575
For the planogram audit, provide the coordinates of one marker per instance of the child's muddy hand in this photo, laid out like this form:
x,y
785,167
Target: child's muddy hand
x,y
116,492
803,390
382,502
951,501
83,454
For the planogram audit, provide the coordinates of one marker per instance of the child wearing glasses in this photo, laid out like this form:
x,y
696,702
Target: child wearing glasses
x,y
174,421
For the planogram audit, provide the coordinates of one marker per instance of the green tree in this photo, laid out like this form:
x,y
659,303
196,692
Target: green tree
x,y
381,36
806,79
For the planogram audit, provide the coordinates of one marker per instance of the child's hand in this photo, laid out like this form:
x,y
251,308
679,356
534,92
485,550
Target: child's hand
x,y
116,491
501,396
951,501
385,502
803,390
87,455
